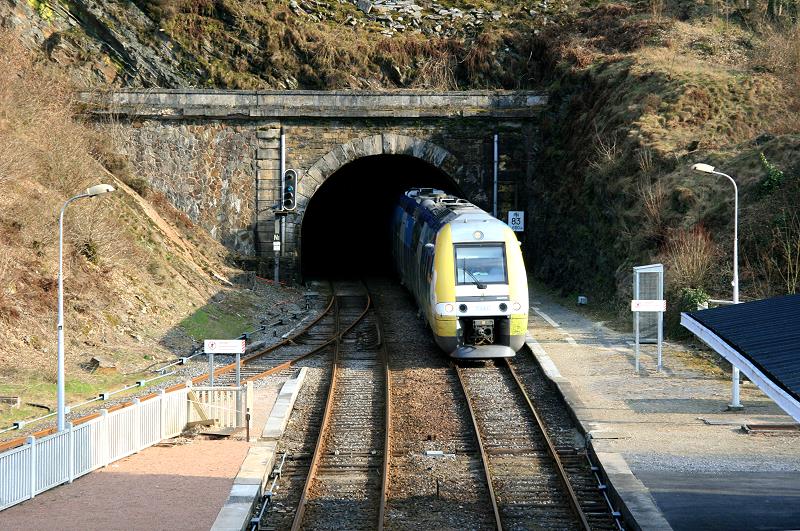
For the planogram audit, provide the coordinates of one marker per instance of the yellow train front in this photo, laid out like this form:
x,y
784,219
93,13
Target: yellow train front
x,y
465,269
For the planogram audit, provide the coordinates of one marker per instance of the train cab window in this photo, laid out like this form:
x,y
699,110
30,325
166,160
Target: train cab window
x,y
481,264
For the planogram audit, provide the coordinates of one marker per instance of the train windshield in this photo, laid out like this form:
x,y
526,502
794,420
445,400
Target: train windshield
x,y
481,264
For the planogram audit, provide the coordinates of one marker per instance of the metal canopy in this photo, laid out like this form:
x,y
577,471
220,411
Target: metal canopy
x,y
762,338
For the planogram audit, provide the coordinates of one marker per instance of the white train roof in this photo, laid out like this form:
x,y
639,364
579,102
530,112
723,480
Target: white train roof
x,y
463,217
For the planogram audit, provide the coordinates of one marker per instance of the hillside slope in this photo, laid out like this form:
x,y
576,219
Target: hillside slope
x,y
638,97
274,44
140,279
638,92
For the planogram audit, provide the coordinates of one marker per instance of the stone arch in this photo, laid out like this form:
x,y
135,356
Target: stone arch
x,y
382,144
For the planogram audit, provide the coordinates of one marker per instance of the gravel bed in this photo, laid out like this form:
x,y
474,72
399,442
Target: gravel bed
x,y
346,490
429,414
299,440
524,476
569,443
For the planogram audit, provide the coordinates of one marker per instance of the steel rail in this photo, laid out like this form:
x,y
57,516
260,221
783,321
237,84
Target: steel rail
x,y
316,457
19,441
244,361
562,473
484,457
387,423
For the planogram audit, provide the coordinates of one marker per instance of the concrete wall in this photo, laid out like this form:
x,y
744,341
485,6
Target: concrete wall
x,y
215,154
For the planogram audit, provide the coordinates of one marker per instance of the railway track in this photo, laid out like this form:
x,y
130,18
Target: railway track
x,y
436,479
307,341
568,442
333,474
346,483
526,479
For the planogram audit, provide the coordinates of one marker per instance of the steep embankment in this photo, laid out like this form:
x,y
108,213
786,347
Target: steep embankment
x,y
140,278
269,44
637,98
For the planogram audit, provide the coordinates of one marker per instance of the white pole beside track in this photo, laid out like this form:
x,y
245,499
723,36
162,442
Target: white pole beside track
x,y
494,186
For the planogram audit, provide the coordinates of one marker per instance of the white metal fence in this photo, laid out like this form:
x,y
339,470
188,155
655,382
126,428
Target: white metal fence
x,y
41,464
227,405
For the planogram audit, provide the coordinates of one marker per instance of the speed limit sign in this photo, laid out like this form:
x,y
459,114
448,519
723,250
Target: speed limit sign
x,y
516,220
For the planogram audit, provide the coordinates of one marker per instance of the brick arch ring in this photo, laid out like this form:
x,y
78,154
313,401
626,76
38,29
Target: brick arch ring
x,y
383,144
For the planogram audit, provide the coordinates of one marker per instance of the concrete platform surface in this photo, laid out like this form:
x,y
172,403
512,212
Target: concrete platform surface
x,y
691,465
253,475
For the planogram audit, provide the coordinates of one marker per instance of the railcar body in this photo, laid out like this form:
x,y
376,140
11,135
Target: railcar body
x,y
465,270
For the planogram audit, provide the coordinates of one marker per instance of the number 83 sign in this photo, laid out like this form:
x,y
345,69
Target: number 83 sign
x,y
516,220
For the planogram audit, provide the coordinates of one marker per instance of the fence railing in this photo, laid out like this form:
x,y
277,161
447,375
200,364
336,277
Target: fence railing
x,y
226,405
41,464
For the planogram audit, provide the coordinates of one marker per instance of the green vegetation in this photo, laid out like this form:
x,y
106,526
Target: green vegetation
x,y
33,388
214,322
638,94
41,7
774,177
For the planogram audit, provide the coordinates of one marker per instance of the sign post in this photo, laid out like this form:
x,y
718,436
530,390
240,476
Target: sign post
x,y
516,220
224,346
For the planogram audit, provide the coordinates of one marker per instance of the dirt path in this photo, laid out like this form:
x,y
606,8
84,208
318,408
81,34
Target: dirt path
x,y
180,487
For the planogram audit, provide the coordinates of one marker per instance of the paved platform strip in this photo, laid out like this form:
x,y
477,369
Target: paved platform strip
x,y
249,483
628,494
672,456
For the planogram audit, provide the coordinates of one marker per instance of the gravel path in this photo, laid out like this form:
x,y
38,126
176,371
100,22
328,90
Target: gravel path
x,y
177,487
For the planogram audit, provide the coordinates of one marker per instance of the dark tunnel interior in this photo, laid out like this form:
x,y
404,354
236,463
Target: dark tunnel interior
x,y
346,226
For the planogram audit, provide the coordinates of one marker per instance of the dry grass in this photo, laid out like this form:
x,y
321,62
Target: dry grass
x,y
690,256
653,197
111,248
780,53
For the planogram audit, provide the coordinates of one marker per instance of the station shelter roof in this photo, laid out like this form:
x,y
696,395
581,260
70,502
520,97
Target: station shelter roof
x,y
762,338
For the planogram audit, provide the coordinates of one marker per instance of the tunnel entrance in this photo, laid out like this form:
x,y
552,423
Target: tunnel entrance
x,y
346,225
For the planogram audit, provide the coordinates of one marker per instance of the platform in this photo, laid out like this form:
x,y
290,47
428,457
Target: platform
x,y
173,486
678,458
762,339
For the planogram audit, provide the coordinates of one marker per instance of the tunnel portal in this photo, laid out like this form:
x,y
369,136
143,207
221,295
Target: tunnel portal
x,y
345,231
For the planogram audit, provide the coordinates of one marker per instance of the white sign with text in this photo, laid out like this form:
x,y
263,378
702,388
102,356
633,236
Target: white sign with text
x,y
516,220
224,346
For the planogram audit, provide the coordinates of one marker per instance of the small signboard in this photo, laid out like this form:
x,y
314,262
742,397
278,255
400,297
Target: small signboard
x,y
224,346
276,246
648,306
516,220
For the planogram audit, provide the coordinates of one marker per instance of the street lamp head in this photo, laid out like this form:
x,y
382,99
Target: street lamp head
x,y
705,168
99,189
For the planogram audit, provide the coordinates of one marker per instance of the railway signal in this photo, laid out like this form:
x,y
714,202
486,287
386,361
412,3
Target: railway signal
x,y
289,189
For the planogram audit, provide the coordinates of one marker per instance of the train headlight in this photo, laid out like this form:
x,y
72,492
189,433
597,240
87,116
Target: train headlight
x,y
462,308
448,308
517,306
503,307
478,235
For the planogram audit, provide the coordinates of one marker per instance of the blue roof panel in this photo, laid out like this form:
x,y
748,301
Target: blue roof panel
x,y
766,332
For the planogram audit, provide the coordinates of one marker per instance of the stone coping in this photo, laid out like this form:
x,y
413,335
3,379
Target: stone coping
x,y
185,103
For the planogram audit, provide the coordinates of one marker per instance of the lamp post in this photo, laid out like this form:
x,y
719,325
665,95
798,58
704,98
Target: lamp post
x,y
707,168
90,192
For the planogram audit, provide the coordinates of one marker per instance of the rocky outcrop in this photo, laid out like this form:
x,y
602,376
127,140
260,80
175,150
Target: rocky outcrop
x,y
398,16
102,43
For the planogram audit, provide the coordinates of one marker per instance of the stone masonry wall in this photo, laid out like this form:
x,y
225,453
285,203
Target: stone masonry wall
x,y
206,169
216,154
468,142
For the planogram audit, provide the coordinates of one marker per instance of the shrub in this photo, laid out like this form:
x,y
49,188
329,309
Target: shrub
x,y
690,256
773,179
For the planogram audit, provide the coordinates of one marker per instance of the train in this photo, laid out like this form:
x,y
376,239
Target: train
x,y
466,272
